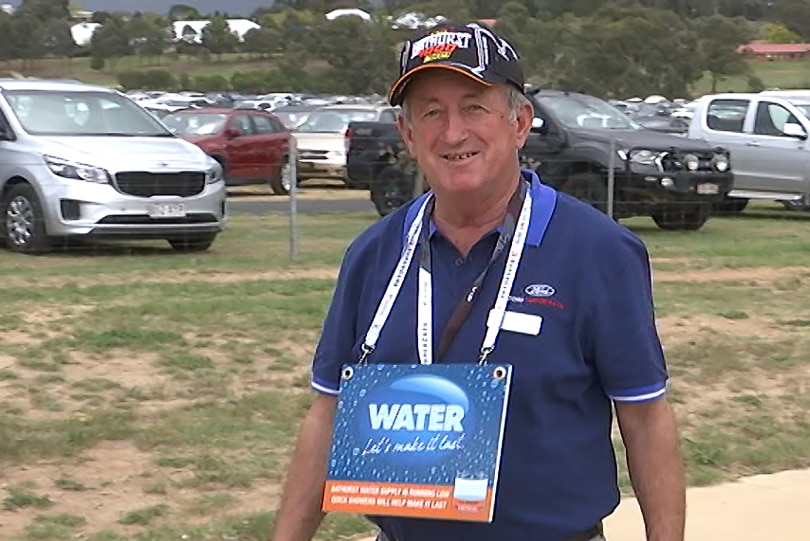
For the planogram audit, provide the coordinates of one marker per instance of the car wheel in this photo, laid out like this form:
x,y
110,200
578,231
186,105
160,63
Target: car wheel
x,y
23,223
796,205
589,188
193,243
390,190
682,217
730,206
282,183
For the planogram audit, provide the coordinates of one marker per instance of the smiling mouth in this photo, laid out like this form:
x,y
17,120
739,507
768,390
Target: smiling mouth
x,y
459,157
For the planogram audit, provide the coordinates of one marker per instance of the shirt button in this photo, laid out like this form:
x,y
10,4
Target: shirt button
x,y
459,262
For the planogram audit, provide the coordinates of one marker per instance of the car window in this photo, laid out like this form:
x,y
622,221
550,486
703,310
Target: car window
x,y
388,116
771,119
727,115
264,124
581,111
243,124
49,112
189,123
335,120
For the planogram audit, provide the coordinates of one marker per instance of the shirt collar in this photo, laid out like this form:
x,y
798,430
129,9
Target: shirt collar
x,y
544,200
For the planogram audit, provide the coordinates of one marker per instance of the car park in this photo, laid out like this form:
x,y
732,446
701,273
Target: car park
x,y
86,161
251,145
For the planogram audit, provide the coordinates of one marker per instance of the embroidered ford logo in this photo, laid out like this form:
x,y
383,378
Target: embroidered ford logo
x,y
540,290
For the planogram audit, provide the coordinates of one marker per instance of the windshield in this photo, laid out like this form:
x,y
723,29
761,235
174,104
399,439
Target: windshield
x,y
81,113
335,121
195,123
292,119
804,108
578,111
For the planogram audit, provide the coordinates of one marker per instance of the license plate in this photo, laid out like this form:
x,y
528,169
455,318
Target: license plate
x,y
167,210
708,189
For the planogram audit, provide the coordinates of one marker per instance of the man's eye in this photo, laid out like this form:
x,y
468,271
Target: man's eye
x,y
431,113
476,108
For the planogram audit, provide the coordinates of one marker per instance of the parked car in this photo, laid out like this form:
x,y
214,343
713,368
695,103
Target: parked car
x,y
767,135
85,161
574,143
322,139
252,146
294,115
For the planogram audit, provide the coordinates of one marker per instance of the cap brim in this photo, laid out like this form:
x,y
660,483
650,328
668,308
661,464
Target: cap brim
x,y
395,94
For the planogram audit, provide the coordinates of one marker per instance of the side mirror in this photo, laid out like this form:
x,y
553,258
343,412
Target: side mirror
x,y
794,130
232,133
538,125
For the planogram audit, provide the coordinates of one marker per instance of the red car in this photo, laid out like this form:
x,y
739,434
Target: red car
x,y
252,146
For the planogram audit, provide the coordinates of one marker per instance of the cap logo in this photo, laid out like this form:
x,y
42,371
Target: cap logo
x,y
440,46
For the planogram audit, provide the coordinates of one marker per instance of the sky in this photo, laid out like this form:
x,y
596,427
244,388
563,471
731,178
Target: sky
x,y
236,7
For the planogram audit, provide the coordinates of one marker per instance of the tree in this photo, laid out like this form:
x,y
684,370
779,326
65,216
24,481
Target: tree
x,y
111,41
44,10
147,35
630,51
718,39
779,33
366,63
57,41
795,15
183,12
218,38
262,41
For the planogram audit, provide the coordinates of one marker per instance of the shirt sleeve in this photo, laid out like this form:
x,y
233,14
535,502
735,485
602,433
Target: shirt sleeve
x,y
623,340
338,336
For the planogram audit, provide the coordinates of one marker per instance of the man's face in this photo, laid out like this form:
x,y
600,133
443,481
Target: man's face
x,y
460,133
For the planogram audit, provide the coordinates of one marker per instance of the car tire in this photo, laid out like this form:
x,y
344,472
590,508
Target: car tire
x,y
390,189
796,205
681,217
23,221
589,188
281,184
730,206
193,243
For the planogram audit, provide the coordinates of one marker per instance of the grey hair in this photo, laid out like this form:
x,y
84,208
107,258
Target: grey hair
x,y
516,100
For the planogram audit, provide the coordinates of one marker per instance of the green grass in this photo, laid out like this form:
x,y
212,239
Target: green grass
x,y
178,381
780,74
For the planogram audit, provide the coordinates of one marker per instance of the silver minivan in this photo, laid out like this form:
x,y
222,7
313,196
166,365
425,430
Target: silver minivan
x,y
85,161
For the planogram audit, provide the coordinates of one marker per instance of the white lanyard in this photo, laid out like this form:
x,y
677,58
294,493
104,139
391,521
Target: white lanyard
x,y
424,313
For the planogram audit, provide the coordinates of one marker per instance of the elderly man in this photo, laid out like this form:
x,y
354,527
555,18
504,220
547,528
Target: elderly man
x,y
576,320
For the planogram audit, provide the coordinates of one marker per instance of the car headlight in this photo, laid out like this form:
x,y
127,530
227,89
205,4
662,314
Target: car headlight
x,y
643,157
720,162
691,162
77,171
214,175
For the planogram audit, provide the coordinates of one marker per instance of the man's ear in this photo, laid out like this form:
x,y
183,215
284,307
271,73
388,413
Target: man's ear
x,y
406,132
523,124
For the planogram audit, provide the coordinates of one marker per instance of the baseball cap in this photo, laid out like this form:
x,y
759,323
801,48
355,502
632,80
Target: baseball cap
x,y
473,50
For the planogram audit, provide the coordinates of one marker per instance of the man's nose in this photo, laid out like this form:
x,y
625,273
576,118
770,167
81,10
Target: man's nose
x,y
455,128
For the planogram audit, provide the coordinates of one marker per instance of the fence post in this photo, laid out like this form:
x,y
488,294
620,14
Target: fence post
x,y
611,180
293,172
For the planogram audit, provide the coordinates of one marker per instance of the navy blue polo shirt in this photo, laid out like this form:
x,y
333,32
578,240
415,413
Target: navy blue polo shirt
x,y
589,279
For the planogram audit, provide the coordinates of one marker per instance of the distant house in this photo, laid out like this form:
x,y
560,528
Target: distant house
x,y
192,31
332,15
760,50
82,33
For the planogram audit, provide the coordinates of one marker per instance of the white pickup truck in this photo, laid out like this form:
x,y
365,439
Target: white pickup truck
x,y
767,135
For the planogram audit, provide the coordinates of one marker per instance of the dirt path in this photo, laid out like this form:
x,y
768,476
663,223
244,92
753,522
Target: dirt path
x,y
755,508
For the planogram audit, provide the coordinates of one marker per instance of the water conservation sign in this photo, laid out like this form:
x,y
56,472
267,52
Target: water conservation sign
x,y
418,440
